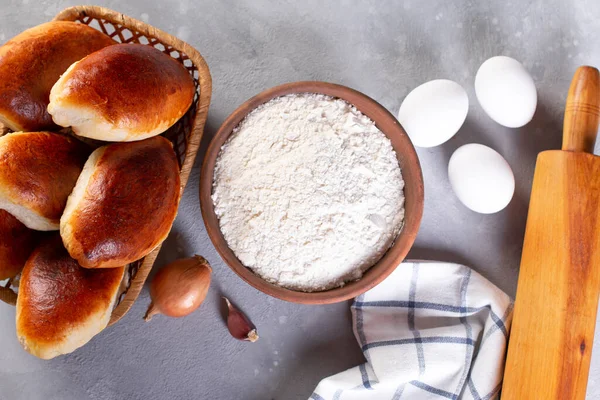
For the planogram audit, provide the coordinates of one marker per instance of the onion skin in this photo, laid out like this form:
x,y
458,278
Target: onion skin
x,y
179,288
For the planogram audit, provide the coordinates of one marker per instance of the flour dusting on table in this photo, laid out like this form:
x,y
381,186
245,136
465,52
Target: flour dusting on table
x,y
308,192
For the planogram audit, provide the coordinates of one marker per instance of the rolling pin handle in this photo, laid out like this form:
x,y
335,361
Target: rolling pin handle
x,y
582,112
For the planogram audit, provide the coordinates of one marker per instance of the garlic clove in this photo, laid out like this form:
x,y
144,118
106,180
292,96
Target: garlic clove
x,y
239,325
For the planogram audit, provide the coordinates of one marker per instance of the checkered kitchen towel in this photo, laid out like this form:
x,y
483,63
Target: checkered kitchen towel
x,y
431,330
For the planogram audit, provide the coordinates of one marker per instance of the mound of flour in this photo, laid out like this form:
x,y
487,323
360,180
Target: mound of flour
x,y
308,192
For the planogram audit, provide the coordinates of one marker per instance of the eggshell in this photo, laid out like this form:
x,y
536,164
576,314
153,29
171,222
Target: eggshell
x,y
433,112
481,178
506,91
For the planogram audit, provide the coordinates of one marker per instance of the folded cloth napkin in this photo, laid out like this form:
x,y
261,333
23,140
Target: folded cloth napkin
x,y
430,330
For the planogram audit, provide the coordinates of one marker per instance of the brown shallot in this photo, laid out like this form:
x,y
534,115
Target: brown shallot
x,y
179,288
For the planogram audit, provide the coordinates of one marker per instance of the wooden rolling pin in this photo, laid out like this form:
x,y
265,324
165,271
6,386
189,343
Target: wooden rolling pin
x,y
559,282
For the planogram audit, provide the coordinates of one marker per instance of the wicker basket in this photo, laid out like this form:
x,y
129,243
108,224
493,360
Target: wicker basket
x,y
185,135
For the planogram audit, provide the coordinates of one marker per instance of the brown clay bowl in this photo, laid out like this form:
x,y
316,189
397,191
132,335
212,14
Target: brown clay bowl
x,y
413,192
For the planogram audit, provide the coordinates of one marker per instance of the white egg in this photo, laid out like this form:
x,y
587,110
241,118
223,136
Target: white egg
x,y
481,178
506,91
433,112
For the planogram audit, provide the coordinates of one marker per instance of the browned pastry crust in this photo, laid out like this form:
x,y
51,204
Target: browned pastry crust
x,y
124,203
61,306
38,171
16,244
122,93
32,62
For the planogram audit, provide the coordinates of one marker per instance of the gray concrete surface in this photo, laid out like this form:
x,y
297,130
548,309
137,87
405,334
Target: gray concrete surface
x,y
383,48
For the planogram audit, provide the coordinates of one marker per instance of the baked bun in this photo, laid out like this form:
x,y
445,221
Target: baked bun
x,y
31,62
16,244
61,306
122,93
123,205
38,171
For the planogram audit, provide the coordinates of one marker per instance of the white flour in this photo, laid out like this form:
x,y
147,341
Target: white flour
x,y
308,192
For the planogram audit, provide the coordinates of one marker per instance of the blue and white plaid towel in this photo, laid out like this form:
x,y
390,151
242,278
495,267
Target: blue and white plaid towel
x,y
431,330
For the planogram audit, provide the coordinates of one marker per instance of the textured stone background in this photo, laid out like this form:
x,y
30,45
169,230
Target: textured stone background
x,y
383,48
